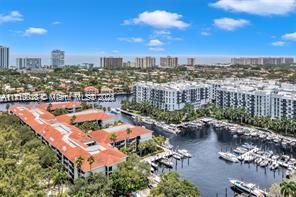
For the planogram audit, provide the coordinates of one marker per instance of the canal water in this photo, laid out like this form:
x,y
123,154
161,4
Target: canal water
x,y
209,173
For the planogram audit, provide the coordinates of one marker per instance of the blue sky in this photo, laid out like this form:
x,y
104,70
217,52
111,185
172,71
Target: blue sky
x,y
152,27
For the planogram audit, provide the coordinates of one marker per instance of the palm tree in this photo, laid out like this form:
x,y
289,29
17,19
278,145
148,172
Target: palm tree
x,y
72,120
288,188
128,132
79,162
49,107
90,161
113,138
60,179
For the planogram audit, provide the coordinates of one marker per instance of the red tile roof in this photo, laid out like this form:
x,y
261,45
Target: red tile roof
x,y
69,140
61,105
85,116
90,89
103,135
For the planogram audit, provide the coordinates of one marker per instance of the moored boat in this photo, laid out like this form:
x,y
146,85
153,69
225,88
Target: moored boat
x,y
248,188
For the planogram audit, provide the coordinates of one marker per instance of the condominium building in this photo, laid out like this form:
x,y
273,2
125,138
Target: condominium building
x,y
169,62
69,143
257,97
191,61
283,104
262,61
145,62
4,57
174,95
111,62
28,63
57,58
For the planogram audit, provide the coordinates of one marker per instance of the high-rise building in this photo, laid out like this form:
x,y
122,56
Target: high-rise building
x,y
262,61
4,57
111,62
57,58
145,62
190,61
170,62
28,63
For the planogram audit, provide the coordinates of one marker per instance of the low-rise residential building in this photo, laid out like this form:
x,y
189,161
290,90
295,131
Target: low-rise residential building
x,y
69,143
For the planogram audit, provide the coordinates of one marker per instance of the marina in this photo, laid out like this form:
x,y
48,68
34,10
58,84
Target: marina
x,y
203,139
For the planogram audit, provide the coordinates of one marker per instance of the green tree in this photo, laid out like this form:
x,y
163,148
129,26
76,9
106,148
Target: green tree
x,y
113,138
97,184
90,161
172,185
288,188
131,175
128,132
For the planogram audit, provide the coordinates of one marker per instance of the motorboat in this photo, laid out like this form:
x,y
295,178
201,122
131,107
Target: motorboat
x,y
228,156
184,152
274,165
248,188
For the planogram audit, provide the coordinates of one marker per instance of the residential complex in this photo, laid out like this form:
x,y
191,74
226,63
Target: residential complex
x,y
191,61
28,63
57,58
4,57
174,95
169,62
256,96
111,62
68,142
262,61
145,62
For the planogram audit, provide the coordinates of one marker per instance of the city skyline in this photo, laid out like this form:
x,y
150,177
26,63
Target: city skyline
x,y
191,28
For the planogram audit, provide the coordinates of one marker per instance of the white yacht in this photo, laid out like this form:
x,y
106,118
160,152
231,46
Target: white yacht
x,y
228,156
248,188
274,165
185,153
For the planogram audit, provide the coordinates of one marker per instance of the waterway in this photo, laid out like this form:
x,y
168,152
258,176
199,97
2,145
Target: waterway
x,y
205,169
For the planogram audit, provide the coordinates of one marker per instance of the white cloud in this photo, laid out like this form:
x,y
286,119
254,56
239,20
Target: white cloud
x,y
156,49
205,33
278,43
155,42
35,31
14,16
159,19
289,36
132,40
230,24
56,22
258,7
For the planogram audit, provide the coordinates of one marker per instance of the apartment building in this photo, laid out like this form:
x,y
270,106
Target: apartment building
x,y
262,61
266,98
69,143
258,97
191,61
111,62
4,57
28,63
145,62
169,62
57,58
173,96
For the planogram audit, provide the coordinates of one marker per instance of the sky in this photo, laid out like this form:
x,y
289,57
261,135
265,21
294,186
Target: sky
x,y
211,30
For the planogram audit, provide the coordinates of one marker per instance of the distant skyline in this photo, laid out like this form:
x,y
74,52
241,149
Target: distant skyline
x,y
91,28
